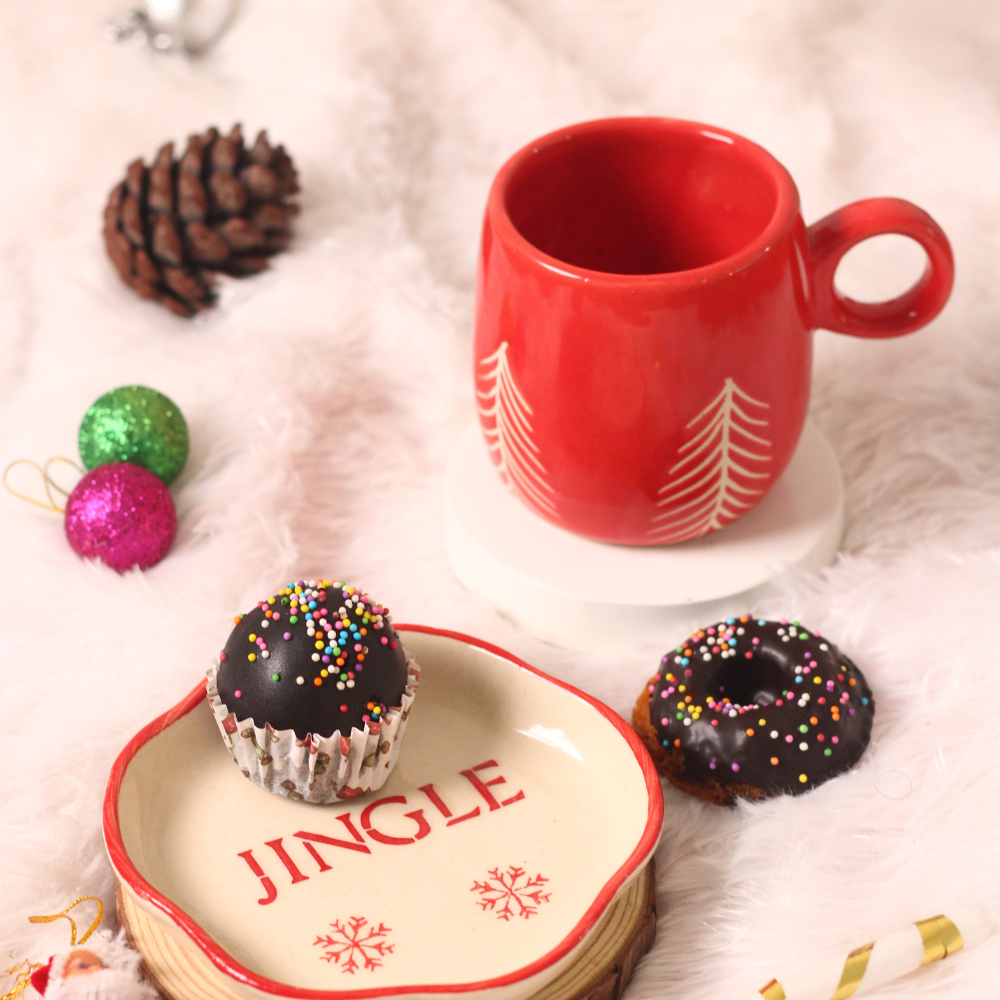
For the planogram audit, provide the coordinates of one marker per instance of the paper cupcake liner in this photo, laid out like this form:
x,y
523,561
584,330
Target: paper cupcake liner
x,y
316,769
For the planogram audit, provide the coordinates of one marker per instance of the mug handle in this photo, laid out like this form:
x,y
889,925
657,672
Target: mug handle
x,y
833,236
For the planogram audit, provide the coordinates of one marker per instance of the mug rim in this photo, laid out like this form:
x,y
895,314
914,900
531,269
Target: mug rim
x,y
786,207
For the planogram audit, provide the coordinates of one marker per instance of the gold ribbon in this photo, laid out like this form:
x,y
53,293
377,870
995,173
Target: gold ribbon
x,y
22,971
850,978
941,938
48,483
854,970
72,923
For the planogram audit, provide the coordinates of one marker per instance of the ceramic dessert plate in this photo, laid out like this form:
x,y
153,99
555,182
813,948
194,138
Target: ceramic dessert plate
x,y
519,809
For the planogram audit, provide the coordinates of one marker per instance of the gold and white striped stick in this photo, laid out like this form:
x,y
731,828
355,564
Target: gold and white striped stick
x,y
881,961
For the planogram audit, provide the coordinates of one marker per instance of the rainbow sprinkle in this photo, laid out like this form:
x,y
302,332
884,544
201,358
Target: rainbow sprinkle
x,y
341,620
827,696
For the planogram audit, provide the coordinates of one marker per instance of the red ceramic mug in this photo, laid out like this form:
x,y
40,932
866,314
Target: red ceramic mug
x,y
645,301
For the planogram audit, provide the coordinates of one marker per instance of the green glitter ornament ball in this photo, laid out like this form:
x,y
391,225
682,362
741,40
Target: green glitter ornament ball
x,y
135,424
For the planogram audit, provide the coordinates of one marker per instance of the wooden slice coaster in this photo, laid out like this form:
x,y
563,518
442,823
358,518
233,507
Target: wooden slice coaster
x,y
601,971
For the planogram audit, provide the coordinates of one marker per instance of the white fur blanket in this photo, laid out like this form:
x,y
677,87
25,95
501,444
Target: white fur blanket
x,y
323,398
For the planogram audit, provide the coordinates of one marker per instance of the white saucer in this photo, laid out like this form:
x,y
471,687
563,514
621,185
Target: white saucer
x,y
556,585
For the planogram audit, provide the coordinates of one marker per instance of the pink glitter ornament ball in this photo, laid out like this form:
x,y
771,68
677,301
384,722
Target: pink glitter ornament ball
x,y
121,513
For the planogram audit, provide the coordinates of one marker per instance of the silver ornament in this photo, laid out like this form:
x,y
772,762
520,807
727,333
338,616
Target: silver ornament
x,y
189,26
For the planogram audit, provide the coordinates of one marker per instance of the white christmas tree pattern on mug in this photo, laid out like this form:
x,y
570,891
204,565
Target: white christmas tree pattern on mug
x,y
357,938
717,476
503,405
503,891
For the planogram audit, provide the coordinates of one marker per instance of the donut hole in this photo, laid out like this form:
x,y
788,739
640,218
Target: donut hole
x,y
759,681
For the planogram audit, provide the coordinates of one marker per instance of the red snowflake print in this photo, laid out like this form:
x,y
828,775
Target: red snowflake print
x,y
504,891
358,939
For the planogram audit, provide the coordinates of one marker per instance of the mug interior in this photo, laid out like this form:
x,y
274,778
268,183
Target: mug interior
x,y
642,197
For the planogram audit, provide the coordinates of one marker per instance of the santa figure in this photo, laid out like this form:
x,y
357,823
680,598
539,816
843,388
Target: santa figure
x,y
106,969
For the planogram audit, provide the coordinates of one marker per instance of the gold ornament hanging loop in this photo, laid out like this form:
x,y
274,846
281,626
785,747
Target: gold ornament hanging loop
x,y
66,461
51,505
72,923
48,483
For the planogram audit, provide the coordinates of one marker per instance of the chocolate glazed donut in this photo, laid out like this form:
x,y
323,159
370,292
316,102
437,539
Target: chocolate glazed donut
x,y
749,708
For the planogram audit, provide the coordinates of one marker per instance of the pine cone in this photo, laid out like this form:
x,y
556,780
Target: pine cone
x,y
221,208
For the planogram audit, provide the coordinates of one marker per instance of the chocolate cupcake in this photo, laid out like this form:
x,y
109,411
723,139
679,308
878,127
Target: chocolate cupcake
x,y
312,692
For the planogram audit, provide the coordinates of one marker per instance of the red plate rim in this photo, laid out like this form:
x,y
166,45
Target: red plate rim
x,y
230,967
